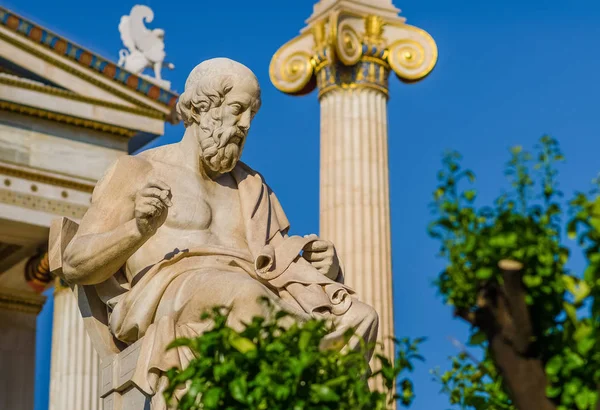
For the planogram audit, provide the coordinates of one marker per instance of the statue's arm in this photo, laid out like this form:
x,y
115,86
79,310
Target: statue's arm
x,y
108,234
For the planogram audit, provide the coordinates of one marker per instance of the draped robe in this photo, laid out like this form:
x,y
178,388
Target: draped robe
x,y
166,300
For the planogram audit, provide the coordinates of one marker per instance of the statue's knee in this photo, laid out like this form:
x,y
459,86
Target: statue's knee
x,y
369,314
248,298
373,316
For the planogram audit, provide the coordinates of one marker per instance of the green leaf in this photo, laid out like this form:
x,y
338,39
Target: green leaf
x,y
323,393
477,338
585,345
239,388
337,381
484,273
470,195
304,340
572,387
554,365
574,361
241,344
470,176
571,311
570,282
582,332
582,292
212,397
179,342
438,193
553,391
532,281
572,229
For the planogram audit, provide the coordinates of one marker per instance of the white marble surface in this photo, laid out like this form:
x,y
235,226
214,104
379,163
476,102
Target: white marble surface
x,y
354,201
74,363
196,195
54,154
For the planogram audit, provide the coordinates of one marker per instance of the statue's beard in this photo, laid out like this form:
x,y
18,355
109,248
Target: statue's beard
x,y
221,149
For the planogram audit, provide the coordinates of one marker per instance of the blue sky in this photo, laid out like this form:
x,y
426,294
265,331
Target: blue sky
x,y
508,72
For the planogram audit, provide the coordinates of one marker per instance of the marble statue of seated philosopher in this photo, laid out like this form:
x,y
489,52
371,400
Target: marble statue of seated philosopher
x,y
179,229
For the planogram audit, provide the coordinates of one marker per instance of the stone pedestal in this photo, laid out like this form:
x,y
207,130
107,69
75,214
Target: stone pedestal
x,y
347,51
75,365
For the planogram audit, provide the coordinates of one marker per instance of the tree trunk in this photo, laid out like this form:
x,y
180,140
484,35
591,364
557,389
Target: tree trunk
x,y
524,376
504,316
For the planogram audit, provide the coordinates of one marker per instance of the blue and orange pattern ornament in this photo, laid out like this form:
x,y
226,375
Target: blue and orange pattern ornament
x,y
64,47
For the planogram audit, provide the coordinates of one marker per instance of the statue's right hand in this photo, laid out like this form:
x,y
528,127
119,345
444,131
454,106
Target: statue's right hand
x,y
151,204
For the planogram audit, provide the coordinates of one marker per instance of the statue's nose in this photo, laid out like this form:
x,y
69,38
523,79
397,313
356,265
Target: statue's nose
x,y
244,123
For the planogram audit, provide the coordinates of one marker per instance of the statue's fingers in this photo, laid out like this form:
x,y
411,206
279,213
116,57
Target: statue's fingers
x,y
160,194
157,183
317,246
321,265
155,203
147,210
314,256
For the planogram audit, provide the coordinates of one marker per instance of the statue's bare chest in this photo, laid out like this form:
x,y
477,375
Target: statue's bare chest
x,y
199,205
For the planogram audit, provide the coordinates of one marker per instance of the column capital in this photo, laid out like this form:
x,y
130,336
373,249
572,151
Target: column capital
x,y
352,44
37,271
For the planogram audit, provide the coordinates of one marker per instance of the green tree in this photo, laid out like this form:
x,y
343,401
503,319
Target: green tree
x,y
536,323
269,366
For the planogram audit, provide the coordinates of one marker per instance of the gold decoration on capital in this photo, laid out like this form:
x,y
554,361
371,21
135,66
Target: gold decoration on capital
x,y
347,50
348,44
374,26
319,31
412,58
291,71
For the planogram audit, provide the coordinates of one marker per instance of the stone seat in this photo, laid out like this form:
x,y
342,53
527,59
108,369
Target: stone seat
x,y
118,361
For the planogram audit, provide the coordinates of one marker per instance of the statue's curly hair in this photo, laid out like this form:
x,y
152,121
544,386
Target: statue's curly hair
x,y
207,86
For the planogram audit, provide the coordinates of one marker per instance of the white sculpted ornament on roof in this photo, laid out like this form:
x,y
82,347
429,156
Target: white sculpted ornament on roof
x,y
145,47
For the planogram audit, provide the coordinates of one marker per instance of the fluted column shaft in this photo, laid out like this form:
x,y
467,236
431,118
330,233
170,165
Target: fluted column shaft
x,y
347,52
354,201
75,363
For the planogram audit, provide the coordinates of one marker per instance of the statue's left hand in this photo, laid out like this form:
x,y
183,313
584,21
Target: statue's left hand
x,y
323,256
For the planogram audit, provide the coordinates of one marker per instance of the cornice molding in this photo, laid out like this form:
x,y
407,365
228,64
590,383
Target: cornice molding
x,y
40,176
58,92
20,301
42,204
67,119
84,58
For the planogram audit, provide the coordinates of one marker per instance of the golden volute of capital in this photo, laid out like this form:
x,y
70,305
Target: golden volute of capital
x,y
345,38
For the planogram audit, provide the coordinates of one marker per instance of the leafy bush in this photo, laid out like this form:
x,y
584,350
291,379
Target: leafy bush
x,y
507,276
268,366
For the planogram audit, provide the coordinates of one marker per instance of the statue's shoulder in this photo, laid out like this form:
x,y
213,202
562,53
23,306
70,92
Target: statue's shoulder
x,y
124,170
131,165
165,154
243,167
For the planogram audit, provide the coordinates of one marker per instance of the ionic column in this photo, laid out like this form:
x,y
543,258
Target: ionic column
x,y
75,363
347,52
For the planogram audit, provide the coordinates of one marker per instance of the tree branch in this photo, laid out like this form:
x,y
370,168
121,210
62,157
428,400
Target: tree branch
x,y
466,315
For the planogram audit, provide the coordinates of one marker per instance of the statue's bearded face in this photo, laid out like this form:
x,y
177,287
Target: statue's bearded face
x,y
224,128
